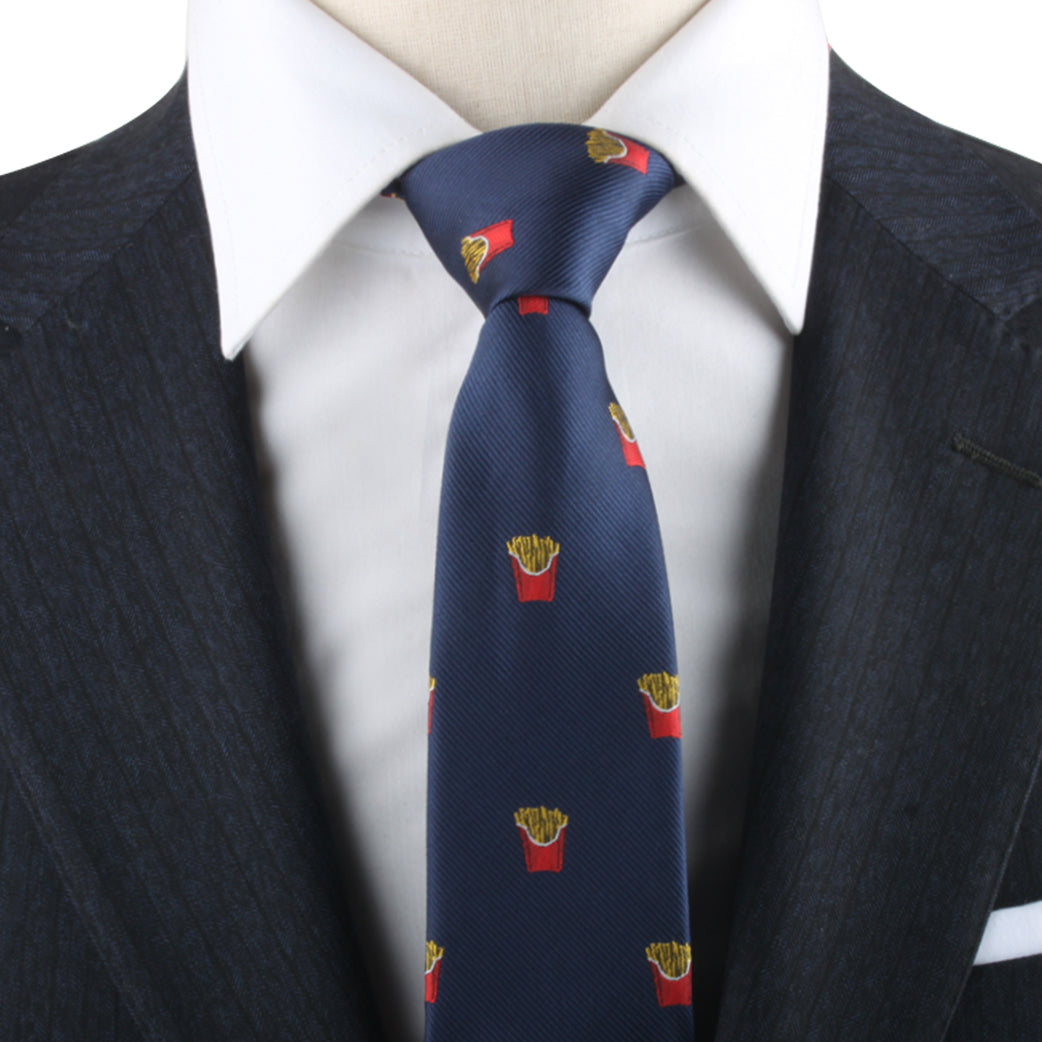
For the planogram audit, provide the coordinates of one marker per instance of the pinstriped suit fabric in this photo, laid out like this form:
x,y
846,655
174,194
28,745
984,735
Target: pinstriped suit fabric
x,y
903,661
149,708
54,986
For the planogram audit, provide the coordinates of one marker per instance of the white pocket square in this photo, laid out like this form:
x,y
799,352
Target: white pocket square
x,y
1011,933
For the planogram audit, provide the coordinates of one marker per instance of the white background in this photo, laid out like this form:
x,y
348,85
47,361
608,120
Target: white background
x,y
71,70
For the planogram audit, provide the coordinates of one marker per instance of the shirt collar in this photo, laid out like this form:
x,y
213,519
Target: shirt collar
x,y
298,124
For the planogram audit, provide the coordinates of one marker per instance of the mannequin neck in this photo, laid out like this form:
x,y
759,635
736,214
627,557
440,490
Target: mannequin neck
x,y
498,62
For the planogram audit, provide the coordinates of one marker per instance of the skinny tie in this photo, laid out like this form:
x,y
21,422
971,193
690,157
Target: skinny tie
x,y
557,904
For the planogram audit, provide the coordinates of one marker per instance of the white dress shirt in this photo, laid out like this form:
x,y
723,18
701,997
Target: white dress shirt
x,y
358,342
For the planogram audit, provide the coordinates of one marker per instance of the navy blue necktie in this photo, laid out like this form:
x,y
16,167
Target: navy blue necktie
x,y
557,904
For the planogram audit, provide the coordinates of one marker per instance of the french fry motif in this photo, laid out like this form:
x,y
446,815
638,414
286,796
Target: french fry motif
x,y
474,249
661,693
604,147
534,560
432,972
630,449
542,837
478,248
671,968
432,684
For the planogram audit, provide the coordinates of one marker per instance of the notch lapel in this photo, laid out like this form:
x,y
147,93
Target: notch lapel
x,y
901,719
148,707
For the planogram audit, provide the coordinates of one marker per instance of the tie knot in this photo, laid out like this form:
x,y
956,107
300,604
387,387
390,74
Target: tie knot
x,y
541,209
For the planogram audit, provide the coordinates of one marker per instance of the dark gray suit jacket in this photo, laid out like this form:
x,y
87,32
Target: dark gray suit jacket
x,y
166,870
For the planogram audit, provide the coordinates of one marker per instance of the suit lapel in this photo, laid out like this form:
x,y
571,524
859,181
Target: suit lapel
x,y
901,721
148,708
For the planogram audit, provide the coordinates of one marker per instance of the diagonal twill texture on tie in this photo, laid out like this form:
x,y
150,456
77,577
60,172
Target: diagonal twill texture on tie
x,y
557,900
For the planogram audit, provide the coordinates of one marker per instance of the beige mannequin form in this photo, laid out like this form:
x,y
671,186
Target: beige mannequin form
x,y
500,62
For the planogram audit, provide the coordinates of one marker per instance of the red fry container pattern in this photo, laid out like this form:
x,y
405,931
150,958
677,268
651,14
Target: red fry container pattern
x,y
432,970
671,991
661,693
543,857
627,439
662,723
430,982
535,586
630,450
534,560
